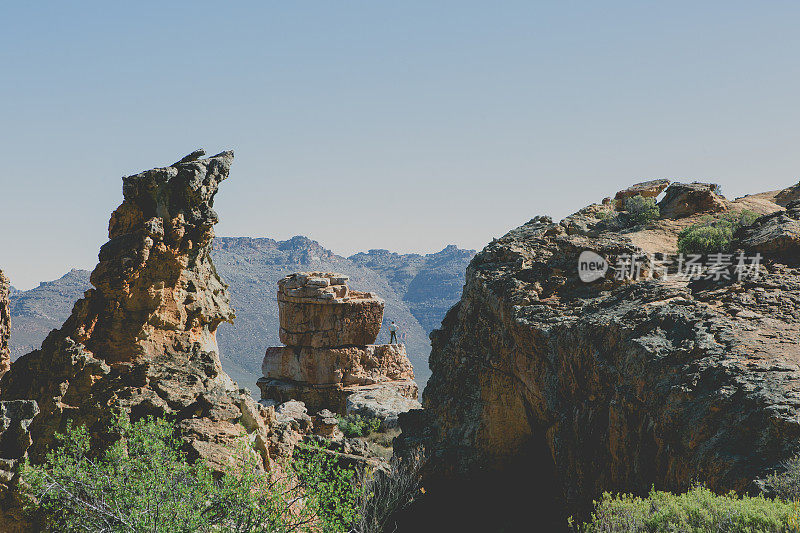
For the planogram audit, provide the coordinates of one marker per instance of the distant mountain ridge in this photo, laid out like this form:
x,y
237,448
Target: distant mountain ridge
x,y
418,290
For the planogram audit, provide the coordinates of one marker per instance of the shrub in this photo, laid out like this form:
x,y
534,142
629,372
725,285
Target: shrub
x,y
786,484
697,510
640,210
713,233
143,482
355,425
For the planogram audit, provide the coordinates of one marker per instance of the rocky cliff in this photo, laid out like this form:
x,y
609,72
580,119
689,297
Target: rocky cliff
x,y
547,390
143,340
5,324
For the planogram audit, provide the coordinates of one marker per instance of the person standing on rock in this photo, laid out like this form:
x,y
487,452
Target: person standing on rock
x,y
392,333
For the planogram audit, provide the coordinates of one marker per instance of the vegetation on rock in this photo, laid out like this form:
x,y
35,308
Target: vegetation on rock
x,y
713,233
144,482
698,510
355,425
640,210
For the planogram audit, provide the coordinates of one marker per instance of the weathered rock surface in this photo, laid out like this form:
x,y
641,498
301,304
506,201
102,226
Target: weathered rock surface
x,y
317,309
347,365
143,340
570,389
5,324
648,189
686,199
384,402
15,420
776,235
323,322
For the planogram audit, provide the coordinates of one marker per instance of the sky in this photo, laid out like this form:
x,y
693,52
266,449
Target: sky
x,y
400,125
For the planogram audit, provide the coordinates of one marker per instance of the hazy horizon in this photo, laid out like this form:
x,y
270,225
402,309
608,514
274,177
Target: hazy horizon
x,y
371,125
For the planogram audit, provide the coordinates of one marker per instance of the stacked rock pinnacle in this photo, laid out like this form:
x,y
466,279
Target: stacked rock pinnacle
x,y
329,331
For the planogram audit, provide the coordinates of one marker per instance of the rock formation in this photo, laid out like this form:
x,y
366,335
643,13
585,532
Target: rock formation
x,y
15,419
143,339
5,324
547,391
647,189
329,331
686,199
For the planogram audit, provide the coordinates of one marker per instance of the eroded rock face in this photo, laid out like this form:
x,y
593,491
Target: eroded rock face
x,y
686,199
143,340
347,365
647,189
569,389
15,420
329,330
5,324
317,309
776,235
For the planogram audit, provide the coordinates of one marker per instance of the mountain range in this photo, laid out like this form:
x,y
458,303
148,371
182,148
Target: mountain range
x,y
418,290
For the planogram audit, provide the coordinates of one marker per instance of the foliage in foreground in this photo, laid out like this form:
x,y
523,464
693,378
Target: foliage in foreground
x,y
713,233
355,425
640,210
696,511
144,482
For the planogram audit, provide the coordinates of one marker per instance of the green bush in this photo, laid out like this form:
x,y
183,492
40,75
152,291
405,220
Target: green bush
x,y
786,484
713,233
640,210
698,511
143,482
358,426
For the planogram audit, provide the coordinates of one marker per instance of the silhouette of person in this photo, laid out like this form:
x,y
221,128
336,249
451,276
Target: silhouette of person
x,y
393,333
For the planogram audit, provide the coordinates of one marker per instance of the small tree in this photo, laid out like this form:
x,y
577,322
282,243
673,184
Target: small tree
x,y
641,210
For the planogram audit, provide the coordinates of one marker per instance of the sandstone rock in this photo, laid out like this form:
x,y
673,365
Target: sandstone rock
x,y
327,425
788,195
385,402
687,199
776,236
143,340
317,309
329,354
348,365
571,389
5,324
648,189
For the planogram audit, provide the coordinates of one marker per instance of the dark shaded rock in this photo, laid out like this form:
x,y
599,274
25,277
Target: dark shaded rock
x,y
776,236
687,199
571,389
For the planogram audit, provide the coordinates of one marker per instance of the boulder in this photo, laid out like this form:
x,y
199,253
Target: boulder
x,y
686,199
776,235
648,189
317,309
788,195
384,402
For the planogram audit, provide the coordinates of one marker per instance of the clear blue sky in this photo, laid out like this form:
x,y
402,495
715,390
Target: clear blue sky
x,y
400,125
